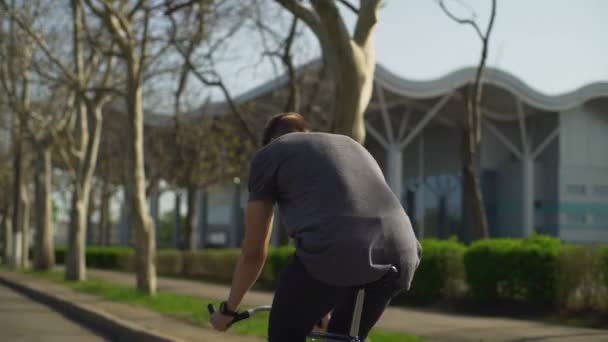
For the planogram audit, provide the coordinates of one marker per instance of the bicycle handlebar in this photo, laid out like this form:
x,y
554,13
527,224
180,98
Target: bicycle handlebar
x,y
244,314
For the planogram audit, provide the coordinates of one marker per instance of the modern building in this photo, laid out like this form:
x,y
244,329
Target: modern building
x,y
543,165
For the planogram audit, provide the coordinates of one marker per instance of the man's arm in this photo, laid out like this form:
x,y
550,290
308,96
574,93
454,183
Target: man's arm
x,y
254,250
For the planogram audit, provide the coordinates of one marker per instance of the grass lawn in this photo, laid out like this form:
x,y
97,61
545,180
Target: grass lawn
x,y
188,308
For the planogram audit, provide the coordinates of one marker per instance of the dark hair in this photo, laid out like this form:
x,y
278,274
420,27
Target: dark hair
x,y
283,123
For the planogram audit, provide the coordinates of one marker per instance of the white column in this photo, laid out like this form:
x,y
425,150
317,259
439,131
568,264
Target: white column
x,y
528,194
394,170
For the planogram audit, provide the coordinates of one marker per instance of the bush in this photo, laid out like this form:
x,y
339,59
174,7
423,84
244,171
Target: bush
x,y
278,258
169,262
218,264
580,284
440,274
98,257
106,257
515,270
60,253
603,264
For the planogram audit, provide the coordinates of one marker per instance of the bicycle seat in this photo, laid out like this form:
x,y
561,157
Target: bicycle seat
x,y
392,273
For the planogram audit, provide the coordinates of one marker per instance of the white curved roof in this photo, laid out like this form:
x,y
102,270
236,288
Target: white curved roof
x,y
418,89
500,78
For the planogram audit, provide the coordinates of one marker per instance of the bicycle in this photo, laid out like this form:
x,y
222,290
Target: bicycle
x,y
314,336
320,336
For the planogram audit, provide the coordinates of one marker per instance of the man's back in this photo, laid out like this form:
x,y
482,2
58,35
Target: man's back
x,y
347,224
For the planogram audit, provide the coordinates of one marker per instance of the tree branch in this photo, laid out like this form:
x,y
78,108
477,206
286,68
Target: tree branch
x,y
144,45
172,9
292,104
336,32
309,17
38,40
350,6
463,21
478,76
366,21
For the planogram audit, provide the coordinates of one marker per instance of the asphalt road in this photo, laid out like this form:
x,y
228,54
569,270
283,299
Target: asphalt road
x,y
25,320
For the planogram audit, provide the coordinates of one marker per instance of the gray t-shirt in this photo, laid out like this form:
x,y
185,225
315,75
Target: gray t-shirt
x,y
348,226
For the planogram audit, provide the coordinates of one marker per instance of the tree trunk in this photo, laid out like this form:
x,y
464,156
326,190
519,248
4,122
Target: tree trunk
x,y
17,207
104,214
8,237
75,260
191,220
352,62
90,236
203,218
44,256
177,221
25,227
473,199
145,243
353,89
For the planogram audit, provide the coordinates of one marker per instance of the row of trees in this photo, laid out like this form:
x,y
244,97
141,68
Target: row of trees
x,y
77,74
58,91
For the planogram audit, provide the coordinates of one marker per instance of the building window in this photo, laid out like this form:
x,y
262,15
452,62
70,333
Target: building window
x,y
576,219
600,190
601,219
576,189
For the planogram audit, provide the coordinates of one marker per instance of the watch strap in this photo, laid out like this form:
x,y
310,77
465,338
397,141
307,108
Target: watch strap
x,y
227,312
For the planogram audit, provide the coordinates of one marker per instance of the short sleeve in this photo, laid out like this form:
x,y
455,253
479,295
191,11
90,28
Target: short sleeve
x,y
262,177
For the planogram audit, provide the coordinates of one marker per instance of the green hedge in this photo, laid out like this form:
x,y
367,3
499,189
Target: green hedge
x,y
537,271
582,279
440,274
603,255
99,257
216,264
517,270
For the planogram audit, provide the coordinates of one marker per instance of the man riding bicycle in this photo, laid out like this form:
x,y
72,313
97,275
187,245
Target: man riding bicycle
x,y
348,227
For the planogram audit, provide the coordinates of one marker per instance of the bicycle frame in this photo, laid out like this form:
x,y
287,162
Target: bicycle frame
x,y
322,337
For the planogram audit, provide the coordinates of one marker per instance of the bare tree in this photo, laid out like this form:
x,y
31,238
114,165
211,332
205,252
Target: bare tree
x,y
88,81
5,209
471,127
16,64
128,24
350,61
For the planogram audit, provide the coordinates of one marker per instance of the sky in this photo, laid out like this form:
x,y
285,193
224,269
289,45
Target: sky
x,y
555,46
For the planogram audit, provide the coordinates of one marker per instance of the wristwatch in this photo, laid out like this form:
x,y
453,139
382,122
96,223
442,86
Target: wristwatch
x,y
227,312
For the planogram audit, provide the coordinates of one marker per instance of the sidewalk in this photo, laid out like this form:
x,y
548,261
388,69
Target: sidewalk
x,y
123,321
434,326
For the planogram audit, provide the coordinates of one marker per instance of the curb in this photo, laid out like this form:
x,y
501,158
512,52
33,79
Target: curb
x,y
97,320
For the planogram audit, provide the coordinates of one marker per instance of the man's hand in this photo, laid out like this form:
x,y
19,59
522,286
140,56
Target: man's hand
x,y
323,324
220,322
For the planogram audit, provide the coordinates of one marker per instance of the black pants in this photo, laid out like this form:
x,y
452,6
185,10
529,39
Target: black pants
x,y
300,301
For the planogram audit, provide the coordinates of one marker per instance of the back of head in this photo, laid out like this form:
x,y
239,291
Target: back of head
x,y
282,124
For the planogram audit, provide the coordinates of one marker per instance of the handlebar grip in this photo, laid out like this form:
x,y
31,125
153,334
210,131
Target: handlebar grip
x,y
241,316
211,309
